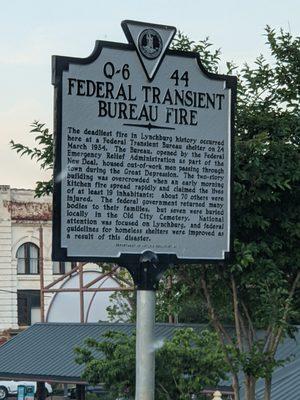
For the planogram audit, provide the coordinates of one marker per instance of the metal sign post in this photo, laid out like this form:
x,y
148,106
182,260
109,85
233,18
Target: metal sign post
x,y
145,320
143,164
145,354
146,271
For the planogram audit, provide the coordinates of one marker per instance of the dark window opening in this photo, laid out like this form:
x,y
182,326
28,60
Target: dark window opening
x,y
28,259
61,267
29,307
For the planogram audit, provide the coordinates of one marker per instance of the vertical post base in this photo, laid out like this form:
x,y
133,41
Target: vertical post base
x,y
80,392
145,354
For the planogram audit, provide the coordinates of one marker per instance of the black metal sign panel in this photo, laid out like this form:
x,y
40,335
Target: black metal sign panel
x,y
143,152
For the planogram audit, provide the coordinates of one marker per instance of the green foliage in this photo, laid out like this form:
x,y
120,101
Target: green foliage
x,y
122,304
266,259
266,184
188,363
267,180
265,264
179,296
110,361
121,307
184,364
42,154
210,59
93,396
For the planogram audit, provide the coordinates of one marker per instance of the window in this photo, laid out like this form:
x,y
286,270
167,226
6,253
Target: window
x,y
60,267
28,259
29,307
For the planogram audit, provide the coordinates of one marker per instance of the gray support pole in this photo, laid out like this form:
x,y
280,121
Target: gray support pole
x,y
40,391
145,354
65,391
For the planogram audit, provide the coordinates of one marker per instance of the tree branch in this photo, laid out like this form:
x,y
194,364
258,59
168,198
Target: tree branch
x,y
220,332
215,320
269,339
285,314
236,313
164,390
251,330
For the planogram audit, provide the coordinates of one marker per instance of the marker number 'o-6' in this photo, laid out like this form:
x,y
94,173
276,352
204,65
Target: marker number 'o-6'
x,y
110,71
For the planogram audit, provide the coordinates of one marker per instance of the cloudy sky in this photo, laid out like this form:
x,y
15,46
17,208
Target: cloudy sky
x,y
33,30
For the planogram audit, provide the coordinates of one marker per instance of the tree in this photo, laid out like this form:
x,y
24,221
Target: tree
x,y
185,364
42,154
256,291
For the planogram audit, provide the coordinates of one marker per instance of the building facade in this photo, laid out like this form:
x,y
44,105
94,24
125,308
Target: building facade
x,y
25,251
25,234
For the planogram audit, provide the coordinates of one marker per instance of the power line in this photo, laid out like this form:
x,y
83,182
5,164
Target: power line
x,y
20,294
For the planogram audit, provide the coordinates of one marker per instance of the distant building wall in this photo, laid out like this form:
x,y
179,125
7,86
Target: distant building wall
x,y
21,216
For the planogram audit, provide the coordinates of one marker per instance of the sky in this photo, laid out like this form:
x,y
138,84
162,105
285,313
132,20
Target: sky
x,y
32,31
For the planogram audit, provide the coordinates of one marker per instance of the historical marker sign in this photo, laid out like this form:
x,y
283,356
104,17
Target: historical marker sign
x,y
143,151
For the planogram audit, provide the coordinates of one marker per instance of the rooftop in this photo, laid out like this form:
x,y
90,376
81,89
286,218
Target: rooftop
x,y
45,352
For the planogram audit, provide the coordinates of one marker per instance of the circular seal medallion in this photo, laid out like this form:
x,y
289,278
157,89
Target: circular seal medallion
x,y
150,43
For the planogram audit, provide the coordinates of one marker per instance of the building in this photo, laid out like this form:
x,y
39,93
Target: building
x,y
25,251
25,235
